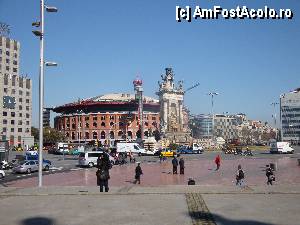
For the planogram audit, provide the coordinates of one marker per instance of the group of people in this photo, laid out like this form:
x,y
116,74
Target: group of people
x,y
104,165
240,175
175,164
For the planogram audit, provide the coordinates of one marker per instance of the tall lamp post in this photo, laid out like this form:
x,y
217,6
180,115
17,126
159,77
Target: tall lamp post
x,y
40,33
212,94
274,116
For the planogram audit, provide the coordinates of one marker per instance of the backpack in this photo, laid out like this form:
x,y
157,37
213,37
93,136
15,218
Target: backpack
x,y
241,174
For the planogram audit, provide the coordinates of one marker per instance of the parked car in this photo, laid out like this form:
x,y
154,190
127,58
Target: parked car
x,y
90,158
29,166
2,174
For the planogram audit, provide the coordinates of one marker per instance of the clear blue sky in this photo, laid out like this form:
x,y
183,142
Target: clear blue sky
x,y
102,45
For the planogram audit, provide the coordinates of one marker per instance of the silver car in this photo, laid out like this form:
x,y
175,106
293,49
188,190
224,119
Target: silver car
x,y
29,166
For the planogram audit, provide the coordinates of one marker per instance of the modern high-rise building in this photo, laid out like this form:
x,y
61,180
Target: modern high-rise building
x,y
15,95
290,116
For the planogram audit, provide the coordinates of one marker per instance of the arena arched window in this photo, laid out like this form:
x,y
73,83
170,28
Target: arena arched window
x,y
146,133
102,136
94,124
73,126
146,123
120,133
112,124
129,134
87,135
73,135
95,135
112,135
67,134
102,124
87,125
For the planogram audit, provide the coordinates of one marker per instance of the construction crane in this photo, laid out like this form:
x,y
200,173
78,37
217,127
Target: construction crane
x,y
192,87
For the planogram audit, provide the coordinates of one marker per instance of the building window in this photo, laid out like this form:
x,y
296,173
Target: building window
x,y
15,62
27,130
112,117
95,118
4,129
111,124
13,91
73,126
102,117
19,129
87,118
15,46
146,124
20,100
27,100
19,138
12,129
27,108
5,90
7,43
20,122
20,92
102,124
27,115
28,84
12,122
7,61
5,79
27,122
111,135
15,70
27,93
20,82
87,135
153,118
20,107
13,82
87,125
16,55
94,124
20,114
13,114
120,133
7,68
95,135
4,113
7,53
102,136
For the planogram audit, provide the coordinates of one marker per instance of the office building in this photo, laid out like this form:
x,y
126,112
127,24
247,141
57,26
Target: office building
x,y
15,95
290,116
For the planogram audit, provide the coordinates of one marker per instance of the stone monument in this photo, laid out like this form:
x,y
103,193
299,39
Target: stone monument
x,y
171,109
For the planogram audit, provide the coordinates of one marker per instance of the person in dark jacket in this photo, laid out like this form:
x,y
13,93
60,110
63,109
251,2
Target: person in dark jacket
x,y
181,165
175,164
103,165
270,175
138,173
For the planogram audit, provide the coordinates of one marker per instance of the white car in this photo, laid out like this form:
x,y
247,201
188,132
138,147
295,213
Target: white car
x,y
32,152
2,174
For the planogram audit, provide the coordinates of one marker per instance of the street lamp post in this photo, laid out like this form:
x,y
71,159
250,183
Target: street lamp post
x,y
274,116
40,34
212,94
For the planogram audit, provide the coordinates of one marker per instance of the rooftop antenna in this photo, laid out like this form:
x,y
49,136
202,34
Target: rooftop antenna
x,y
4,29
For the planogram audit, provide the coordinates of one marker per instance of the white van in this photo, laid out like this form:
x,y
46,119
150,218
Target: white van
x,y
280,147
197,148
132,147
90,158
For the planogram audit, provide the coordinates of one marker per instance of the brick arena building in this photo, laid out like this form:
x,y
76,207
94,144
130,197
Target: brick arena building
x,y
107,118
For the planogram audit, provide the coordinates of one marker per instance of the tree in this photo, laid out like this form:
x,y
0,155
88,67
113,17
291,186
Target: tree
x,y
35,133
51,135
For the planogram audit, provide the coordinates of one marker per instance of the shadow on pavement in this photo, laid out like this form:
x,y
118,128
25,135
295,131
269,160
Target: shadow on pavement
x,y
38,221
213,219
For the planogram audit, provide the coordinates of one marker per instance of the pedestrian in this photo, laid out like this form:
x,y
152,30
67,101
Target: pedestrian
x,y
181,165
270,175
160,157
240,176
218,161
138,173
103,165
175,164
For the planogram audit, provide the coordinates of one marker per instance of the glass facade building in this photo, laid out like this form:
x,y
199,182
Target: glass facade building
x,y
290,116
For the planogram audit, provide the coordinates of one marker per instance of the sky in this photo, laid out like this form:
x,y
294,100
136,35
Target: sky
x,y
102,46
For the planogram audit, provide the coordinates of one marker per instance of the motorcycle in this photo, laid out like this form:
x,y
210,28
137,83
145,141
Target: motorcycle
x,y
6,165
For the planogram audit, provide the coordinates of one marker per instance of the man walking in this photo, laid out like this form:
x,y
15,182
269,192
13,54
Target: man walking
x,y
102,173
240,176
218,161
175,164
138,173
181,165
270,175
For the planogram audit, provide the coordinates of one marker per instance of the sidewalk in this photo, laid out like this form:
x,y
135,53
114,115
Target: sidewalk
x,y
174,204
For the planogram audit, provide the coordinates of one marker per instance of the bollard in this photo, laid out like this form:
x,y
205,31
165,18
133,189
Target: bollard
x,y
273,166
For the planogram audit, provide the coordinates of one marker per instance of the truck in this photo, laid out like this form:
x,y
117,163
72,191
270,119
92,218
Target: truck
x,y
280,147
133,148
